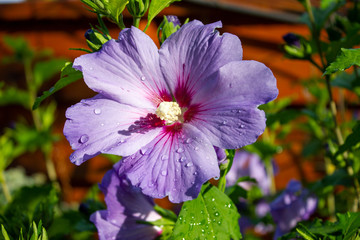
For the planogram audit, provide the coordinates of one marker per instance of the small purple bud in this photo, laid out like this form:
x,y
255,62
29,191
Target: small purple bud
x,y
174,19
292,39
88,34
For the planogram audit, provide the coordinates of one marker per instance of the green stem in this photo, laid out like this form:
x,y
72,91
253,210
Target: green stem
x,y
36,117
136,21
5,187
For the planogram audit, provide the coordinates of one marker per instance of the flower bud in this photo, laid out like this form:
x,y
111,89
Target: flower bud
x,y
168,26
296,46
137,8
95,39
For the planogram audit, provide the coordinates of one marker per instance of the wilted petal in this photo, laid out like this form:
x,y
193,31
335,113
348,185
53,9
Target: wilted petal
x,y
126,70
189,56
175,164
101,125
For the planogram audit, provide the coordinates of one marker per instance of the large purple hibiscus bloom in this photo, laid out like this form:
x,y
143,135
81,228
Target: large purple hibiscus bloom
x,y
125,206
166,108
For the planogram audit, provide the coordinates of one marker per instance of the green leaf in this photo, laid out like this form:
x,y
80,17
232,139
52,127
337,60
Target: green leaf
x,y
156,6
351,140
346,59
165,213
43,71
68,75
305,233
4,233
12,95
20,47
211,215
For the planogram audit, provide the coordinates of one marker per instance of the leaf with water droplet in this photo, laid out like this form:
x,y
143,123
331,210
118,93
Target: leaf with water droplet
x,y
203,208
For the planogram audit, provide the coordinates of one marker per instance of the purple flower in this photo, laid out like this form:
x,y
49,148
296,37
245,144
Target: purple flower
x,y
125,206
248,164
293,205
166,109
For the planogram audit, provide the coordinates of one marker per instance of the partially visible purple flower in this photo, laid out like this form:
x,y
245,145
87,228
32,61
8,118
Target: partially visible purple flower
x,y
295,204
248,164
174,19
164,110
125,206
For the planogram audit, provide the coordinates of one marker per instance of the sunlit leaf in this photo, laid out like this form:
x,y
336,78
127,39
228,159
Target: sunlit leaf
x,y
211,215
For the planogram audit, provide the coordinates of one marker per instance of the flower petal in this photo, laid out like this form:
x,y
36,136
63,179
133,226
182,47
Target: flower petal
x,y
175,164
192,54
101,125
244,82
230,126
126,70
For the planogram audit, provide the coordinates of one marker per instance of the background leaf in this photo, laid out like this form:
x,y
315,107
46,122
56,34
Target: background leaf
x,y
156,6
346,59
68,75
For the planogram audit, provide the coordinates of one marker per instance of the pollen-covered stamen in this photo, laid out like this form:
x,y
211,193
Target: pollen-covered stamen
x,y
169,112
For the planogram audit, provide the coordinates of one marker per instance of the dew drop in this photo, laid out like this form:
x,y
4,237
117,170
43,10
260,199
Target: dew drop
x,y
189,140
216,178
164,157
183,158
213,199
180,150
122,141
196,148
164,172
102,124
143,78
234,111
84,138
242,125
195,173
51,89
90,68
189,164
216,214
97,111
223,122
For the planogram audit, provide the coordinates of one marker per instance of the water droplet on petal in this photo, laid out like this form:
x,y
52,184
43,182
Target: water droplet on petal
x,y
224,122
97,111
84,138
189,140
196,148
183,158
195,173
242,125
122,140
164,157
164,173
102,124
189,164
180,150
90,68
143,78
